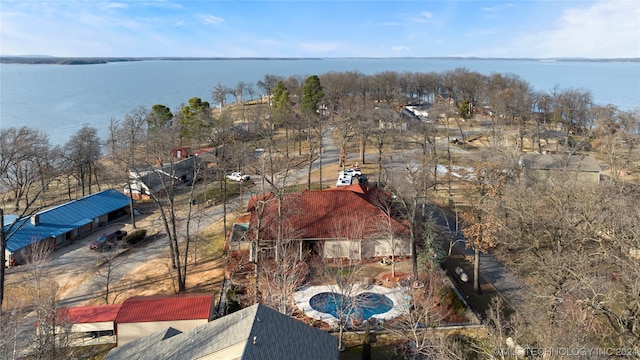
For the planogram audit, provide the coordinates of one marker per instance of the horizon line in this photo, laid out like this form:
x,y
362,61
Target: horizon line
x,y
44,57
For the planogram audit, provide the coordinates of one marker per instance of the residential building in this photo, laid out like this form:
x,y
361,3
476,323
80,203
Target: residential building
x,y
256,332
62,224
156,180
342,222
539,167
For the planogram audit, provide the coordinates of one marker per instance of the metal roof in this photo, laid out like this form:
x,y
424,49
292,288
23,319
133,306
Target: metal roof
x,y
64,218
88,314
165,308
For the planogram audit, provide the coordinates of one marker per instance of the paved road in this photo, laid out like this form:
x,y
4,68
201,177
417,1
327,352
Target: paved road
x,y
491,270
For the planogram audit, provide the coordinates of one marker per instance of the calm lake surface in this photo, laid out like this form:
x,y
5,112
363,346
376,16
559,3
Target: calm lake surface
x,y
59,99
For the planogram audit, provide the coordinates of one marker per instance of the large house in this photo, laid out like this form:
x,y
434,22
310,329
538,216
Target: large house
x,y
156,180
351,222
540,166
256,332
63,223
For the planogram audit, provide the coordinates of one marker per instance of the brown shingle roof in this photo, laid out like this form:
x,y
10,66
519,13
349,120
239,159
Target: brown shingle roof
x,y
347,212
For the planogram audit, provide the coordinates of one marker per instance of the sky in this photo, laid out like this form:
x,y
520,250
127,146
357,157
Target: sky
x,y
199,28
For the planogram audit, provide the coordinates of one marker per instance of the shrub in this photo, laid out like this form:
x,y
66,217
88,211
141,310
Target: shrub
x,y
232,304
135,236
449,299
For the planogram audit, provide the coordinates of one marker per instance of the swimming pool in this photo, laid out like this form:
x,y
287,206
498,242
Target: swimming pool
x,y
362,306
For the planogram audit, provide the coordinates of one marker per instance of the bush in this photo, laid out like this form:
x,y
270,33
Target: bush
x,y
135,236
449,299
232,304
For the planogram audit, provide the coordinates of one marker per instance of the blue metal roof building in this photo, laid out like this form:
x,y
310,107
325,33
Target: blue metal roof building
x,y
67,221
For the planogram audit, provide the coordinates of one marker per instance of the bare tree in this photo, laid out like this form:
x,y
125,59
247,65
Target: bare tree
x,y
124,141
167,180
107,264
481,228
281,279
615,135
423,312
83,151
267,84
389,226
346,268
411,196
24,162
11,322
505,336
220,93
51,336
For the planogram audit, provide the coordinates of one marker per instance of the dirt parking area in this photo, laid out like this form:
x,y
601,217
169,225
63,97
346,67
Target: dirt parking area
x,y
82,275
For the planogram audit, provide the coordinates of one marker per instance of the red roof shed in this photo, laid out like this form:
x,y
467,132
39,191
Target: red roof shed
x,y
144,315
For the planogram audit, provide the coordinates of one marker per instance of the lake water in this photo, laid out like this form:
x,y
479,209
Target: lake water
x,y
59,99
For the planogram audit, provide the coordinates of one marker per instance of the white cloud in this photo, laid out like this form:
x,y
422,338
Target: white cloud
x,y
607,29
211,19
426,14
400,48
421,17
115,5
481,33
163,4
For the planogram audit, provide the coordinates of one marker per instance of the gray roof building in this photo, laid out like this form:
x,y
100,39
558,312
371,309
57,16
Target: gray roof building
x,y
157,179
539,166
256,332
583,163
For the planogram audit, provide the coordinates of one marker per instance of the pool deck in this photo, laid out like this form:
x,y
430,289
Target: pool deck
x,y
397,296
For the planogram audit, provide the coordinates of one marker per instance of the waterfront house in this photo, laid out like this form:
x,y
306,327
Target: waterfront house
x,y
347,222
256,332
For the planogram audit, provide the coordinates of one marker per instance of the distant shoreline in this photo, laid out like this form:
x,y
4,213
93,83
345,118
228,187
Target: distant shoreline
x,y
49,60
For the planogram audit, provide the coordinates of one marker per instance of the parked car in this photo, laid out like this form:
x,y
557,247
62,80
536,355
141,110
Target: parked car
x,y
107,241
238,176
353,172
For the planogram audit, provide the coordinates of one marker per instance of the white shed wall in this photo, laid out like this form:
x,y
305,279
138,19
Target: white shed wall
x,y
131,331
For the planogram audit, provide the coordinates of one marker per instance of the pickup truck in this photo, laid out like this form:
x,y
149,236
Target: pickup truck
x,y
238,176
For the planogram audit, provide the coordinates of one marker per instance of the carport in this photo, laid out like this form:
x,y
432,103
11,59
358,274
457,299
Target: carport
x,y
87,323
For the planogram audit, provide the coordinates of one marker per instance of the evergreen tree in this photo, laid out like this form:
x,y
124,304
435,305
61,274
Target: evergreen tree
x,y
311,94
160,117
193,116
280,102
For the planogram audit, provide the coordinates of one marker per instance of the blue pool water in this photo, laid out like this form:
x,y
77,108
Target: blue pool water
x,y
364,305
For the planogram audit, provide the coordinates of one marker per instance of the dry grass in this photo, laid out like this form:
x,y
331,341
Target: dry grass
x,y
205,269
